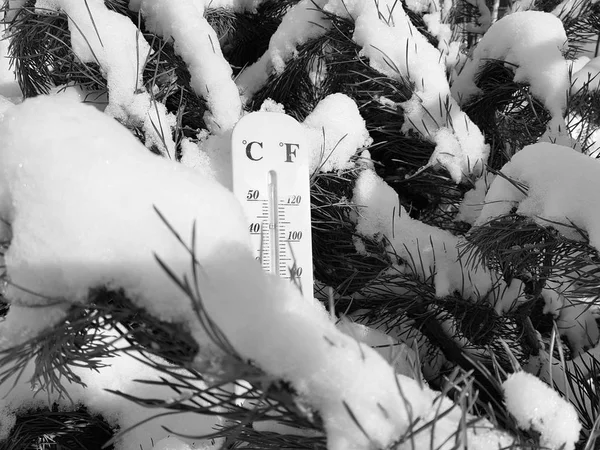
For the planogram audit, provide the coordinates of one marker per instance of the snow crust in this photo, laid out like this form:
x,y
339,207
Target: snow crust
x,y
533,41
537,406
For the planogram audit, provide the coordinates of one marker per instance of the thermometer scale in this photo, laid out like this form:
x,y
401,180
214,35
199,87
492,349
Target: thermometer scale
x,y
271,180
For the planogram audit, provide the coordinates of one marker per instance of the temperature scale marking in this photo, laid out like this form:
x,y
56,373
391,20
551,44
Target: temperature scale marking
x,y
271,179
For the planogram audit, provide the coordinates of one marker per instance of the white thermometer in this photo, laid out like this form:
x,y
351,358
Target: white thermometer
x,y
271,179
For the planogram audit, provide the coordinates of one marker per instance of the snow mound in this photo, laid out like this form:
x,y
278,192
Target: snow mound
x,y
80,194
561,185
537,406
336,132
533,41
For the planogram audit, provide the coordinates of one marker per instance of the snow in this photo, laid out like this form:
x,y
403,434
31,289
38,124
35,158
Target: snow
x,y
570,8
538,407
588,77
577,322
119,373
173,443
484,20
432,111
216,148
473,200
104,205
197,43
270,105
301,23
336,130
157,126
395,48
9,87
561,185
449,48
435,15
401,356
555,372
109,39
13,8
108,186
193,157
428,252
533,41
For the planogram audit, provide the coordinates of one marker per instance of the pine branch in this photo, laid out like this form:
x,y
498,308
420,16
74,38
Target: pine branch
x,y
506,112
51,429
336,260
521,248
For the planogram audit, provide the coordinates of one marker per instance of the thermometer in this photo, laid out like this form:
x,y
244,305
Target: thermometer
x,y
271,179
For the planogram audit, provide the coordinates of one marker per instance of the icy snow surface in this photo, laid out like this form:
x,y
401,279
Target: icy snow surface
x,y
537,406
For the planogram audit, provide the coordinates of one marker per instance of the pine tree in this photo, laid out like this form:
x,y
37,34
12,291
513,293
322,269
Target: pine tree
x,y
464,343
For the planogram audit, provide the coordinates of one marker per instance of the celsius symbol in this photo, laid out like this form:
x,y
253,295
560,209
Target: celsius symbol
x,y
244,142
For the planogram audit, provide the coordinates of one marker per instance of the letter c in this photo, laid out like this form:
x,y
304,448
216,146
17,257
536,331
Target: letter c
x,y
249,150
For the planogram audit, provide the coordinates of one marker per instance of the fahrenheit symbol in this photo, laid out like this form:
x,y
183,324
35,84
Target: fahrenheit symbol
x,y
290,151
